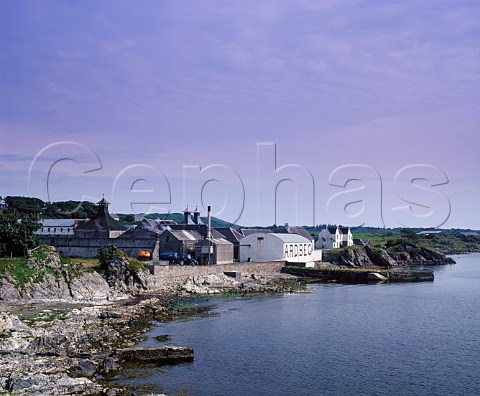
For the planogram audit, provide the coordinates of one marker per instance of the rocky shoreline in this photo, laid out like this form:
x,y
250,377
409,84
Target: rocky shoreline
x,y
65,329
60,334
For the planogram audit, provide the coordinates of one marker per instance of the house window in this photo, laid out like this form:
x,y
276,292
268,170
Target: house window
x,y
48,229
259,238
167,239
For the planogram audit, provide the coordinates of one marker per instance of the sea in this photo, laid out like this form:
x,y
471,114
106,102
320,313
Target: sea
x,y
333,339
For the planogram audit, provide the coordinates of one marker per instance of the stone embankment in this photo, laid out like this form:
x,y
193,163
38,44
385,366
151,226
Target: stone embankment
x,y
364,275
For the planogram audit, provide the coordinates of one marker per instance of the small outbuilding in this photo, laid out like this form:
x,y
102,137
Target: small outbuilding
x,y
276,247
214,251
179,241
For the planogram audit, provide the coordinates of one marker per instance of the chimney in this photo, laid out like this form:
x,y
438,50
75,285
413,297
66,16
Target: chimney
x,y
209,226
186,216
196,216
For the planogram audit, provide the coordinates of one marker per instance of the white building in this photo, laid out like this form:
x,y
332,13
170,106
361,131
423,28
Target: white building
x,y
58,226
261,247
333,237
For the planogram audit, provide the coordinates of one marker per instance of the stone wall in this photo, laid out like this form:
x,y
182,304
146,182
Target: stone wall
x,y
88,247
179,273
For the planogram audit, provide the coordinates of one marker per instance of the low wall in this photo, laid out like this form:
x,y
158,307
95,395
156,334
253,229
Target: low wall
x,y
181,272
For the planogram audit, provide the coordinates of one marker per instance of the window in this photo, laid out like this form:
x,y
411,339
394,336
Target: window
x,y
259,238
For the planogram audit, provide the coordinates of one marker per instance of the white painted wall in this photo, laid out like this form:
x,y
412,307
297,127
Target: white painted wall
x,y
276,247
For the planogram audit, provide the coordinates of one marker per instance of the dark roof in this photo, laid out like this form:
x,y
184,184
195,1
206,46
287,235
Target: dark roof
x,y
138,233
230,234
358,242
250,231
103,201
102,221
331,229
344,230
298,230
216,234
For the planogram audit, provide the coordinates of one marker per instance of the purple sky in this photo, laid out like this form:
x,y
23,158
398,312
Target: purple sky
x,y
165,87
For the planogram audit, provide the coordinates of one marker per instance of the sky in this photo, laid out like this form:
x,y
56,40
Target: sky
x,y
307,112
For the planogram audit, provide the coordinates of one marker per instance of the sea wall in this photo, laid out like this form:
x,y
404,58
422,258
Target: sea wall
x,y
178,273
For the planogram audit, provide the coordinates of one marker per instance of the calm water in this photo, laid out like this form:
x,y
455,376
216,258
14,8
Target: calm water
x,y
397,339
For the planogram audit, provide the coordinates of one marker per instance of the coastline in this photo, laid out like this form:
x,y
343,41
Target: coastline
x,y
67,346
76,347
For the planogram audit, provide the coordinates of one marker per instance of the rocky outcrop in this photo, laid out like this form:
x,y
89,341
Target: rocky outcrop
x,y
410,255
47,278
393,256
160,354
124,277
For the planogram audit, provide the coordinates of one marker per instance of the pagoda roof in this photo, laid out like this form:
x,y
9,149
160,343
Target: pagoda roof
x,y
102,221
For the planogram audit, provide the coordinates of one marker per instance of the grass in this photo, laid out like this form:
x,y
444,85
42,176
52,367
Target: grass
x,y
85,262
135,265
16,267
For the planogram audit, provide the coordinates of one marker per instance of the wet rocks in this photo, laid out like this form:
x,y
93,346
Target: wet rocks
x,y
160,354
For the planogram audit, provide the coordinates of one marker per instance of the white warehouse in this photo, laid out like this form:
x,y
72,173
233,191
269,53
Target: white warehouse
x,y
261,247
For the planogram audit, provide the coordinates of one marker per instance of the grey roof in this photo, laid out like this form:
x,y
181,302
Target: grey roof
x,y
135,232
59,222
287,238
230,234
344,230
300,231
184,235
217,241
154,225
250,231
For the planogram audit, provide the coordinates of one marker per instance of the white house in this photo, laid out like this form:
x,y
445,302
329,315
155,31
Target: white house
x,y
277,247
58,226
333,237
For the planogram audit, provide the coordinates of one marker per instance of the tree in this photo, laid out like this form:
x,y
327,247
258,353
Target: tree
x,y
17,232
409,234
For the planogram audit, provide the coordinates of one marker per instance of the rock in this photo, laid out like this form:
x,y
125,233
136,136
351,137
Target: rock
x,y
90,286
87,367
55,384
161,354
123,279
8,290
380,257
109,365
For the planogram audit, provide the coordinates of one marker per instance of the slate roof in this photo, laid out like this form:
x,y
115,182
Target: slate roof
x,y
59,222
184,235
343,230
230,234
102,220
250,231
331,229
298,230
290,238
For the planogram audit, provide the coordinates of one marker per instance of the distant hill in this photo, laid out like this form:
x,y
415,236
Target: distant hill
x,y
178,217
